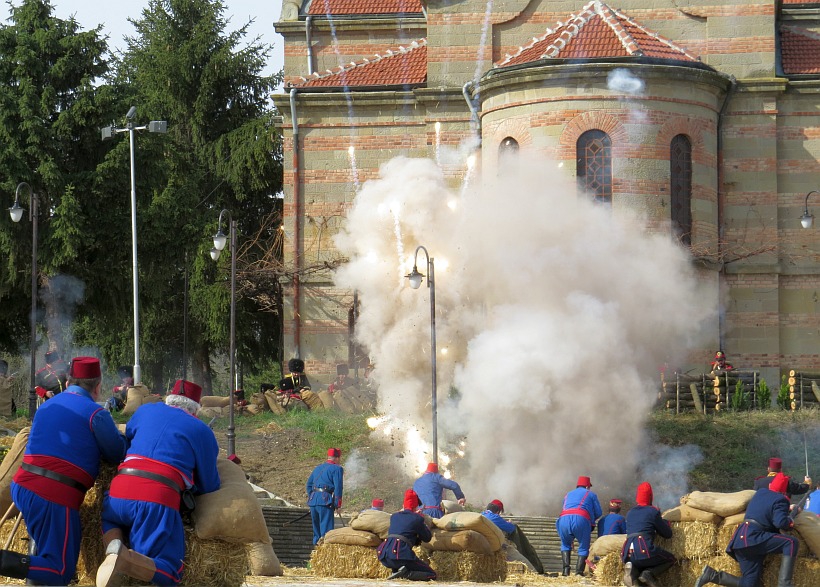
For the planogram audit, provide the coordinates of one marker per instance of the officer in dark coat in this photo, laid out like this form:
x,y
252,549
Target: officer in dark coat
x,y
613,522
51,379
297,377
775,467
407,529
758,536
430,489
643,560
324,489
578,514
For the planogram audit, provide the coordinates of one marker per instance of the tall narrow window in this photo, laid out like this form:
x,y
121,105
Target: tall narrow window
x,y
594,166
680,188
508,157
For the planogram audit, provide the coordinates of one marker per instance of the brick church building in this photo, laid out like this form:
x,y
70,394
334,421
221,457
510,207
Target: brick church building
x,y
725,150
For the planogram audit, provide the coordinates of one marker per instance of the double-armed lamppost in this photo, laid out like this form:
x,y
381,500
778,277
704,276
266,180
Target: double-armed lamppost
x,y
807,219
219,244
415,282
16,213
160,126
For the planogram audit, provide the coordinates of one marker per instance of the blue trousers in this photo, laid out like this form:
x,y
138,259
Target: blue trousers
x,y
574,527
322,518
751,558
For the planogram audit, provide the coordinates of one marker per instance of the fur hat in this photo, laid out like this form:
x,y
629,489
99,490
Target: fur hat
x,y
644,494
85,368
52,356
188,389
342,369
125,371
296,366
286,384
411,500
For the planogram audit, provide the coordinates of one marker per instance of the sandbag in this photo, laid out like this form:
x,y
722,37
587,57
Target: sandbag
x,y
313,400
134,397
210,413
214,401
343,403
473,521
607,544
232,513
734,520
263,560
807,525
685,513
253,409
449,506
258,399
722,504
327,399
352,537
272,398
11,462
375,521
458,541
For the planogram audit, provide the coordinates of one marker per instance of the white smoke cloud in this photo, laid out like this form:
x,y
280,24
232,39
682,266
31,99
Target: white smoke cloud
x,y
556,315
621,80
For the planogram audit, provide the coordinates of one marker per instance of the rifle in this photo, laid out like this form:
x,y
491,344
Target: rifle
x,y
798,507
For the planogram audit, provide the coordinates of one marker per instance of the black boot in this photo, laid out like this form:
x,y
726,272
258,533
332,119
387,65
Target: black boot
x,y
565,562
784,578
648,578
630,575
710,575
399,573
13,565
418,576
580,565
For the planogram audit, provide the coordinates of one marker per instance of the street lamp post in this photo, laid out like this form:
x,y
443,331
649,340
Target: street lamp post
x,y
807,219
415,281
159,126
219,245
16,213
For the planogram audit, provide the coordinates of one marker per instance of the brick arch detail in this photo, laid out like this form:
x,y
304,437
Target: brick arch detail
x,y
516,128
593,121
681,126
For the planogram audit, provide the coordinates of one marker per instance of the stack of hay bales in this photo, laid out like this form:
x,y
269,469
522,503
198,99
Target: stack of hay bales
x,y
701,529
466,546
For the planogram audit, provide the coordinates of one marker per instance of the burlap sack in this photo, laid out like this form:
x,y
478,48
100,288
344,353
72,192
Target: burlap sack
x,y
722,504
6,397
458,541
734,520
352,537
607,544
473,521
259,399
210,413
11,462
253,409
807,525
136,396
263,560
374,521
313,400
449,506
343,403
272,398
327,399
685,513
232,513
214,401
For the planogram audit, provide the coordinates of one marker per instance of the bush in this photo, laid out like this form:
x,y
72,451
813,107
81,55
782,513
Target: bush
x,y
740,398
783,399
764,395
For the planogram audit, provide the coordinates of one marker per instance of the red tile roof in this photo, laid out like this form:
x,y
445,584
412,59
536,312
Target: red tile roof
x,y
403,66
597,31
799,1
338,7
799,51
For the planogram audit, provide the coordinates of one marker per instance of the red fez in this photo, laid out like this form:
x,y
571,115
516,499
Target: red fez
x,y
85,368
497,502
378,503
584,481
644,494
775,464
234,459
432,468
780,483
333,453
188,389
411,500
615,503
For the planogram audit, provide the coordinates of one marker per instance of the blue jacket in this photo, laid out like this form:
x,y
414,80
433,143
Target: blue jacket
x,y
813,503
325,485
413,531
769,512
582,502
611,524
430,489
506,526
643,523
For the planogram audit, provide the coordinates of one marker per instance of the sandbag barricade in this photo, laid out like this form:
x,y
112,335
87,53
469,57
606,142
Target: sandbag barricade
x,y
263,560
473,521
138,395
375,521
351,537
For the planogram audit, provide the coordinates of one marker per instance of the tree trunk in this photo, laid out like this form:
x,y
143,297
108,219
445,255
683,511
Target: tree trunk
x,y
201,367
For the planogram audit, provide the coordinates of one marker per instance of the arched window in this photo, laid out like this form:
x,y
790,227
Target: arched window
x,y
593,152
508,157
508,146
680,187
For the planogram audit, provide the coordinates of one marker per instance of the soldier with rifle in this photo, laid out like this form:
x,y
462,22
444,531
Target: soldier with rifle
x,y
324,488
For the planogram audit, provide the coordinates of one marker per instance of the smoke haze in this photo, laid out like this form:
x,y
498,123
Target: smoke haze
x,y
553,317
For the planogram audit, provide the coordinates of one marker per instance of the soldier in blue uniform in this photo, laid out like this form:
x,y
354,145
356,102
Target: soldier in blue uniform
x,y
813,502
430,489
172,455
775,467
613,522
643,560
68,436
407,529
580,510
758,536
324,488
513,533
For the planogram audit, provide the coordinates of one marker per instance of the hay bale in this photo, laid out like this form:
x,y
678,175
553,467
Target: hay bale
x,y
466,566
213,563
374,521
610,570
806,571
686,513
691,540
722,504
11,462
473,521
344,561
724,535
263,560
351,537
458,541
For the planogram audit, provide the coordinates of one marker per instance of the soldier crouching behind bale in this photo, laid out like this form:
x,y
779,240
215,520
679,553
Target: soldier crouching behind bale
x,y
644,561
514,534
172,455
407,529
